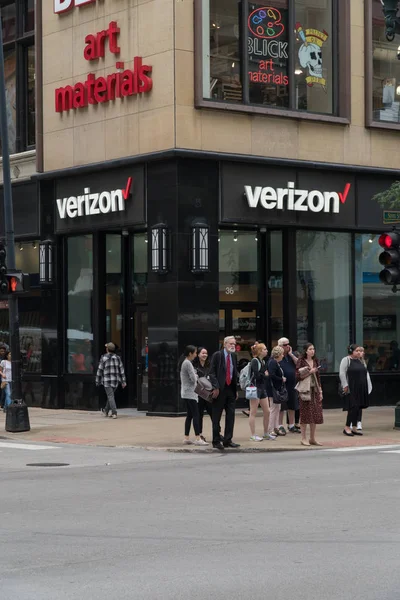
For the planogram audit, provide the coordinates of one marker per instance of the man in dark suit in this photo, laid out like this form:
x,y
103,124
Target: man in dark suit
x,y
223,376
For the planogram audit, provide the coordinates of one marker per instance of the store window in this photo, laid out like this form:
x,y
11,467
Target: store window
x,y
80,304
324,262
283,55
29,304
238,266
114,290
275,285
19,64
385,70
140,269
377,308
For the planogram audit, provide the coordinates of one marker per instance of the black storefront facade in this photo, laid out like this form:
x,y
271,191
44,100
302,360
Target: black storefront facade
x,y
286,249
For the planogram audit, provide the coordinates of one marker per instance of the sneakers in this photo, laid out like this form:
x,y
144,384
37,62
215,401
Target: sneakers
x,y
200,442
256,438
269,436
113,416
105,414
187,442
281,430
293,429
359,426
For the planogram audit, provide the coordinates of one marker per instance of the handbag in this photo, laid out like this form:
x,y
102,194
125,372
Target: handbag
x,y
251,393
204,389
3,385
280,396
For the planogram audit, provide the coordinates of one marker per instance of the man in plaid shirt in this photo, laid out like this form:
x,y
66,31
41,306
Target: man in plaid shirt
x,y
110,373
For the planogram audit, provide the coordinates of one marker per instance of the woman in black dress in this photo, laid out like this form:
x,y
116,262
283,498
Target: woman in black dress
x,y
202,367
356,385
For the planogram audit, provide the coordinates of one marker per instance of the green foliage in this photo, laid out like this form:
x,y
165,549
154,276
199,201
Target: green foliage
x,y
389,199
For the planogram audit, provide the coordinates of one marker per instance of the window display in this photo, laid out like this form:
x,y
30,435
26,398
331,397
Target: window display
x,y
252,54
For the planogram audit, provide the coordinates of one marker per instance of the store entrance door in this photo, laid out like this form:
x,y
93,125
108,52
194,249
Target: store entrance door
x,y
243,322
142,357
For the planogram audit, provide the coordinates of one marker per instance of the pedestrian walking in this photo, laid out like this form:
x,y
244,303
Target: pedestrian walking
x,y
288,366
260,379
279,394
6,379
223,376
355,386
310,394
189,378
110,373
202,367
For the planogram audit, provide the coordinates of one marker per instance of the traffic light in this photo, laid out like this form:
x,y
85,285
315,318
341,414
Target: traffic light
x,y
390,258
17,282
3,269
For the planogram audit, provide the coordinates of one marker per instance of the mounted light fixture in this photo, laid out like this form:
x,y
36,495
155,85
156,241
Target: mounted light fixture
x,y
46,261
199,248
160,249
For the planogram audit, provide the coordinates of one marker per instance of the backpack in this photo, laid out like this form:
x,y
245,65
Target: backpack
x,y
245,376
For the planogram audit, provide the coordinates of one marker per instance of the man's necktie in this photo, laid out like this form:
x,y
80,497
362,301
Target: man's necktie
x,y
228,378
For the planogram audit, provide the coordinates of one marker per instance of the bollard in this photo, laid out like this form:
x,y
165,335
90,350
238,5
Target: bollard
x,y
17,417
397,416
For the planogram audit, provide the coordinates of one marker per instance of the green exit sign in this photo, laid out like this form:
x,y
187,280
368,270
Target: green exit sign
x,y
391,217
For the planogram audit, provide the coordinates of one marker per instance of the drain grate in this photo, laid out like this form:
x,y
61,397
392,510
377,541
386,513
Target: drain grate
x,y
47,465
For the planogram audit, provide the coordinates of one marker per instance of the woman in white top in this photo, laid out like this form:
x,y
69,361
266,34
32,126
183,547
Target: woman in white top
x,y
6,377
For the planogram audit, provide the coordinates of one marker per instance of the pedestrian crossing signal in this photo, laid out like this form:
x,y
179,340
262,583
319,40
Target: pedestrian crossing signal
x,y
17,282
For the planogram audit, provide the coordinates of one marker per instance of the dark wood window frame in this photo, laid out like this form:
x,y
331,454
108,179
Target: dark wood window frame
x,y
343,75
23,40
369,120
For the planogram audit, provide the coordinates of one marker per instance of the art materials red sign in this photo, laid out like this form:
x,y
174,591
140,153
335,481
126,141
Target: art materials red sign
x,y
130,81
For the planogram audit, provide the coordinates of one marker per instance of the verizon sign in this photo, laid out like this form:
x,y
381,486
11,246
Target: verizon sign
x,y
290,198
61,6
93,204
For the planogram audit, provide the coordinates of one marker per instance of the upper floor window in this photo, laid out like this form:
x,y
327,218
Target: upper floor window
x,y
385,70
284,55
19,64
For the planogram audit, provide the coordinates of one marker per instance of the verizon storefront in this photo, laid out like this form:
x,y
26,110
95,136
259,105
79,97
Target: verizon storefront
x,y
284,250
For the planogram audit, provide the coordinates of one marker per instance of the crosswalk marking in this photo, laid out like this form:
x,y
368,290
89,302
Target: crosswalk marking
x,y
26,446
391,452
361,448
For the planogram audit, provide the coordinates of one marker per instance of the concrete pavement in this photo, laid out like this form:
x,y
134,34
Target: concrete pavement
x,y
133,429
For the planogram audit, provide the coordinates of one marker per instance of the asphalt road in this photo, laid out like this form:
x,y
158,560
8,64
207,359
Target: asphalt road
x,y
122,524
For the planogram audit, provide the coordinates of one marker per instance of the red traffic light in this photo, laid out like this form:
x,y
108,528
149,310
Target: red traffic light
x,y
389,240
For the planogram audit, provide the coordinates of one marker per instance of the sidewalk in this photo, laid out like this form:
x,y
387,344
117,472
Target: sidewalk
x,y
133,429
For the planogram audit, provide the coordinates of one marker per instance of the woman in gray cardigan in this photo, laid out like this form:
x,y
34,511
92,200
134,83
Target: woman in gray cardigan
x,y
188,394
356,385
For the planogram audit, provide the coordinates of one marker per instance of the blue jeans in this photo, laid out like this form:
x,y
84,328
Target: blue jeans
x,y
7,395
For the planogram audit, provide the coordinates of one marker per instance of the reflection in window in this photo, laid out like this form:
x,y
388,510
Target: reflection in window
x,y
314,56
30,100
377,309
11,98
386,71
9,22
140,248
29,303
222,69
238,281
323,294
114,290
80,299
29,15
275,286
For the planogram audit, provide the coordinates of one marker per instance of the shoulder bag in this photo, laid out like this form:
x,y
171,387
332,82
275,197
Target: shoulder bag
x,y
204,389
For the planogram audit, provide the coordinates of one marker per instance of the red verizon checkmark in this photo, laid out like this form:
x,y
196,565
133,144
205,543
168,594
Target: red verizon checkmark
x,y
127,190
343,196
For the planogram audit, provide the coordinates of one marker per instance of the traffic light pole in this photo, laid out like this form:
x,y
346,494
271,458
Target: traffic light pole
x,y
9,230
